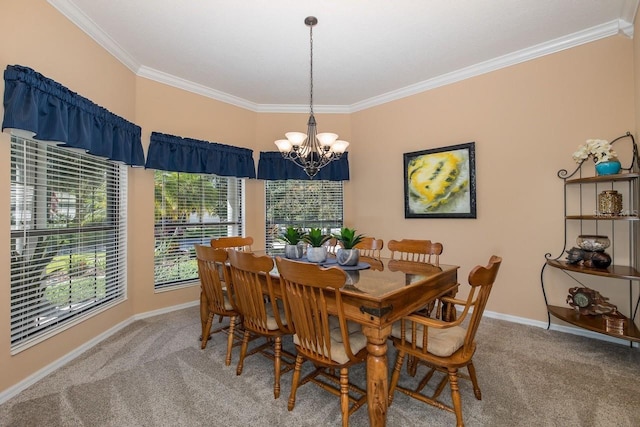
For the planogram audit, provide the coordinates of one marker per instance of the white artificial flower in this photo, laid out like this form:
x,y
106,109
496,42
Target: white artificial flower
x,y
600,149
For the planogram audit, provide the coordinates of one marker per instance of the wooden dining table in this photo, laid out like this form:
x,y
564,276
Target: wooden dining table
x,y
377,297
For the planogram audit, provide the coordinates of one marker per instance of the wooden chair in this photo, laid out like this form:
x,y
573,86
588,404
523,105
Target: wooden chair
x,y
210,268
332,246
444,346
325,338
415,251
261,313
370,247
235,242
242,243
407,253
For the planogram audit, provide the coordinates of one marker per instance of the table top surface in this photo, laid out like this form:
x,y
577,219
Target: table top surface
x,y
395,277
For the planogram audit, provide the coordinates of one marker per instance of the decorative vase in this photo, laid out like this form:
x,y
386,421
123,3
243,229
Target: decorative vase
x,y
317,254
293,251
593,242
611,167
347,256
600,260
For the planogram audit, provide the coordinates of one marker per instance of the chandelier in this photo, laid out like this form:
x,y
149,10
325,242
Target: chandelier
x,y
311,151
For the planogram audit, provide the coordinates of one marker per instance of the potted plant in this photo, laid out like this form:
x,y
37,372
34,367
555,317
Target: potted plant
x,y
348,254
294,239
317,252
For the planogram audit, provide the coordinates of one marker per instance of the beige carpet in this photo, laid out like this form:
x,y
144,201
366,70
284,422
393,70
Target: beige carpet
x,y
153,373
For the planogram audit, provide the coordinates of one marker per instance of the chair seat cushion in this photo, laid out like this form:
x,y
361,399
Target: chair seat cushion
x,y
272,324
227,303
442,342
357,340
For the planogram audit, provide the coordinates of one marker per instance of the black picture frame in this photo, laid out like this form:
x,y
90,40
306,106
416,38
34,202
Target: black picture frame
x,y
440,182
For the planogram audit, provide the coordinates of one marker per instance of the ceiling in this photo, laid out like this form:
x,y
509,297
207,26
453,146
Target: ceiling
x,y
255,54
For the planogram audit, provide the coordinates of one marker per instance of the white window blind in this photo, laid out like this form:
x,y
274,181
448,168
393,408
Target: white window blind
x,y
301,204
189,209
68,231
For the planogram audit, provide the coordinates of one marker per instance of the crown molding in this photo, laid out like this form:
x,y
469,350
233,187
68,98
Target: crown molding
x,y
572,40
81,20
177,82
624,25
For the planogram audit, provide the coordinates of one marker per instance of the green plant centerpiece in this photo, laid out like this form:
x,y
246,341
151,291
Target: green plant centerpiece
x,y
294,242
316,252
348,254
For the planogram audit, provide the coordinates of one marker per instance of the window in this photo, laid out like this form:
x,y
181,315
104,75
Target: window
x,y
68,230
191,208
302,204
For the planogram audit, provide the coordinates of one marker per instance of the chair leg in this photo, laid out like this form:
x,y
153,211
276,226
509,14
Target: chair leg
x,y
277,350
243,352
232,327
344,396
412,365
206,329
474,380
455,396
204,314
395,375
294,382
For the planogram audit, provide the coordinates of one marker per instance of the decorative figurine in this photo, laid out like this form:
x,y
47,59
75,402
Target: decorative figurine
x,y
589,301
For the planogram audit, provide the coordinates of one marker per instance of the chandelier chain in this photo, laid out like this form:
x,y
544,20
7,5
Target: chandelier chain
x,y
311,69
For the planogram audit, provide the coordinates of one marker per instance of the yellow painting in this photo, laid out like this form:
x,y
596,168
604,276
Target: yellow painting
x,y
440,182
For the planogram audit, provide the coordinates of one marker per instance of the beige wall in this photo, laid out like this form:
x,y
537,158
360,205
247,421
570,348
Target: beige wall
x,y
526,120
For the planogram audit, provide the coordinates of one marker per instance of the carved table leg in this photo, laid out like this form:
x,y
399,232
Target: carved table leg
x,y
377,374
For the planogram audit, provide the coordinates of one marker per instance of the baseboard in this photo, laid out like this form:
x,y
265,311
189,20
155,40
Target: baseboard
x,y
37,376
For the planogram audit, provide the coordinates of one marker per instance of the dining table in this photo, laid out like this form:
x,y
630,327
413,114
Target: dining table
x,y
378,293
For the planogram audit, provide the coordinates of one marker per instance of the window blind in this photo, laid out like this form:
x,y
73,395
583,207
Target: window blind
x,y
301,204
68,231
192,208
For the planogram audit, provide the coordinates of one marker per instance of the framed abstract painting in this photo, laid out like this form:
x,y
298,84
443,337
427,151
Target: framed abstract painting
x,y
440,182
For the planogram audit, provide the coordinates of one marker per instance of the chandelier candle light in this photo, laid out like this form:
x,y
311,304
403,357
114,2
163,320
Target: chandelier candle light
x,y
311,151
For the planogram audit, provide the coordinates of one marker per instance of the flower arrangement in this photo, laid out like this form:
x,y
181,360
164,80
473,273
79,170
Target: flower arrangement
x,y
601,150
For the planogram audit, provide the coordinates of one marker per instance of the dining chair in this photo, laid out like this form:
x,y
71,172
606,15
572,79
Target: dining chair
x,y
211,264
332,245
262,314
413,250
444,346
321,335
408,253
370,247
238,242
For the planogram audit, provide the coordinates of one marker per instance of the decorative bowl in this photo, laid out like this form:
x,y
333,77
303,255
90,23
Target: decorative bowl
x,y
592,242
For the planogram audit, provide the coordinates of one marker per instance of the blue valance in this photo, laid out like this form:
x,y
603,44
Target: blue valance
x,y
47,111
177,154
273,166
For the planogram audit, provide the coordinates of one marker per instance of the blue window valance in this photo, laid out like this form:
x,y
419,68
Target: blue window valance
x,y
177,154
273,166
40,108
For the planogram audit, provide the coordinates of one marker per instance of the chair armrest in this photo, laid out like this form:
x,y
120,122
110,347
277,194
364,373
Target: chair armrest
x,y
431,322
452,300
